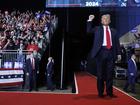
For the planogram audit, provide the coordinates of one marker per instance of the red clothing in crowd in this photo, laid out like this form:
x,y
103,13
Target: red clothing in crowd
x,y
32,47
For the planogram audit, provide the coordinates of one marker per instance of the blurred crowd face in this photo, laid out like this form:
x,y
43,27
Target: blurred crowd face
x,y
32,42
6,13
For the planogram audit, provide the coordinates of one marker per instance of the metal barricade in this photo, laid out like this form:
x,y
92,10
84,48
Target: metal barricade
x,y
13,58
12,64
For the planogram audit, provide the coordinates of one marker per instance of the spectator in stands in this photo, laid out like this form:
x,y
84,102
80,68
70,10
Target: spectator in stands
x,y
131,74
9,45
20,56
24,26
33,46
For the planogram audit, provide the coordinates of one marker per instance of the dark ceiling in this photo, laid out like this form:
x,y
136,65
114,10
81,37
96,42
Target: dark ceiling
x,y
22,4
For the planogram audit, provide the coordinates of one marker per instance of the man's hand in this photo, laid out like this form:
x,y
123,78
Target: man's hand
x,y
132,74
119,57
91,17
27,74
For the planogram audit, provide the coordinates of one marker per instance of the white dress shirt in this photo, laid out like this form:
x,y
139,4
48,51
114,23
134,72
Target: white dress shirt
x,y
104,38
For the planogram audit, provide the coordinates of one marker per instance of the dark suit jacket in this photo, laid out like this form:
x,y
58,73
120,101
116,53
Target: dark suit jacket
x,y
49,68
98,33
131,68
29,66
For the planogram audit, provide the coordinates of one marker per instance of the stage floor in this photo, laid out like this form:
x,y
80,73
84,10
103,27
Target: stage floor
x,y
86,94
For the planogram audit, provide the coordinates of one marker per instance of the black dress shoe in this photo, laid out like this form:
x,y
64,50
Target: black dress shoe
x,y
36,89
101,95
52,89
30,90
112,95
125,90
48,88
133,92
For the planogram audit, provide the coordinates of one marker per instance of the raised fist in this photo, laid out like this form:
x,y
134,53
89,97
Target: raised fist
x,y
91,17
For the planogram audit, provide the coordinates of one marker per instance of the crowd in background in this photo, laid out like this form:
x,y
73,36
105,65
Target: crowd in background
x,y
27,34
25,30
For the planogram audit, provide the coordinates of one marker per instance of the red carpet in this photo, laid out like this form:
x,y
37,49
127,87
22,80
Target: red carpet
x,y
87,96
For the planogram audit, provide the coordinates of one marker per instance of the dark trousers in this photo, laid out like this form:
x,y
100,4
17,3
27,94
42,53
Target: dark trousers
x,y
33,81
105,65
130,82
49,81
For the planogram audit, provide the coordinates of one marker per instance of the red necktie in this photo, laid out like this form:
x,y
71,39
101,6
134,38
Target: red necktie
x,y
108,40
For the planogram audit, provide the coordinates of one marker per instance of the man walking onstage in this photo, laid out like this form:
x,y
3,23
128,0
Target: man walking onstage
x,y
105,49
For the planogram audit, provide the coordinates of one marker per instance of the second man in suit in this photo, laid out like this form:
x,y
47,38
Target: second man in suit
x,y
49,74
131,74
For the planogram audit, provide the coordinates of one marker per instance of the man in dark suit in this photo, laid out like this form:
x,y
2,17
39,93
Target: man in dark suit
x,y
32,69
131,74
105,49
49,74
